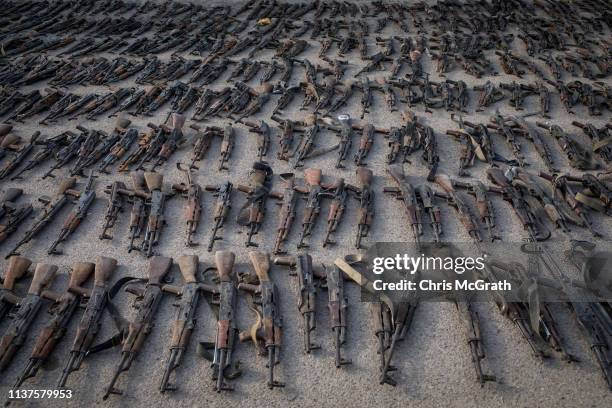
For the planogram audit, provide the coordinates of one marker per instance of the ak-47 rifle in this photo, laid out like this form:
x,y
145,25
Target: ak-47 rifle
x,y
14,219
253,211
365,213
62,310
193,206
500,126
52,206
104,147
426,198
227,145
7,201
365,142
286,214
518,203
262,130
314,190
336,208
533,319
201,144
594,322
132,335
337,305
77,215
407,194
224,303
184,324
461,208
16,269
144,141
172,142
64,155
50,147
222,208
392,319
266,332
15,336
138,214
155,219
345,136
93,139
483,204
19,156
115,206
91,321
307,297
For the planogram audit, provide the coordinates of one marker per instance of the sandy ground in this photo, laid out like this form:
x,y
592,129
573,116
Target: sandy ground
x,y
434,367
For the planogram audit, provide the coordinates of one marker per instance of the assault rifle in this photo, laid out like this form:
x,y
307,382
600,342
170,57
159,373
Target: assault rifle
x,y
406,193
286,214
307,296
193,206
222,208
62,310
253,211
184,324
16,269
91,321
15,336
224,302
155,219
77,215
266,332
132,335
365,213
52,206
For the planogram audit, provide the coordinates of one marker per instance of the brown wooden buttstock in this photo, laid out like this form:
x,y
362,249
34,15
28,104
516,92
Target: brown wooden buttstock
x,y
105,267
81,271
17,268
122,123
188,264
154,181
224,260
65,185
313,176
178,120
364,175
261,264
43,276
444,181
138,180
158,268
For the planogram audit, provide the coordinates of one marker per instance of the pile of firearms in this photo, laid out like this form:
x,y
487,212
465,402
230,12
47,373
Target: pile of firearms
x,y
240,73
391,319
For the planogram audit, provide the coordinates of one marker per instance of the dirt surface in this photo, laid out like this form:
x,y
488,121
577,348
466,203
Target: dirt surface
x,y
433,364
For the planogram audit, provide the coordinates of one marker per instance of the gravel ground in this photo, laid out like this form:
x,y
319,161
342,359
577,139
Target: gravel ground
x,y
434,367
